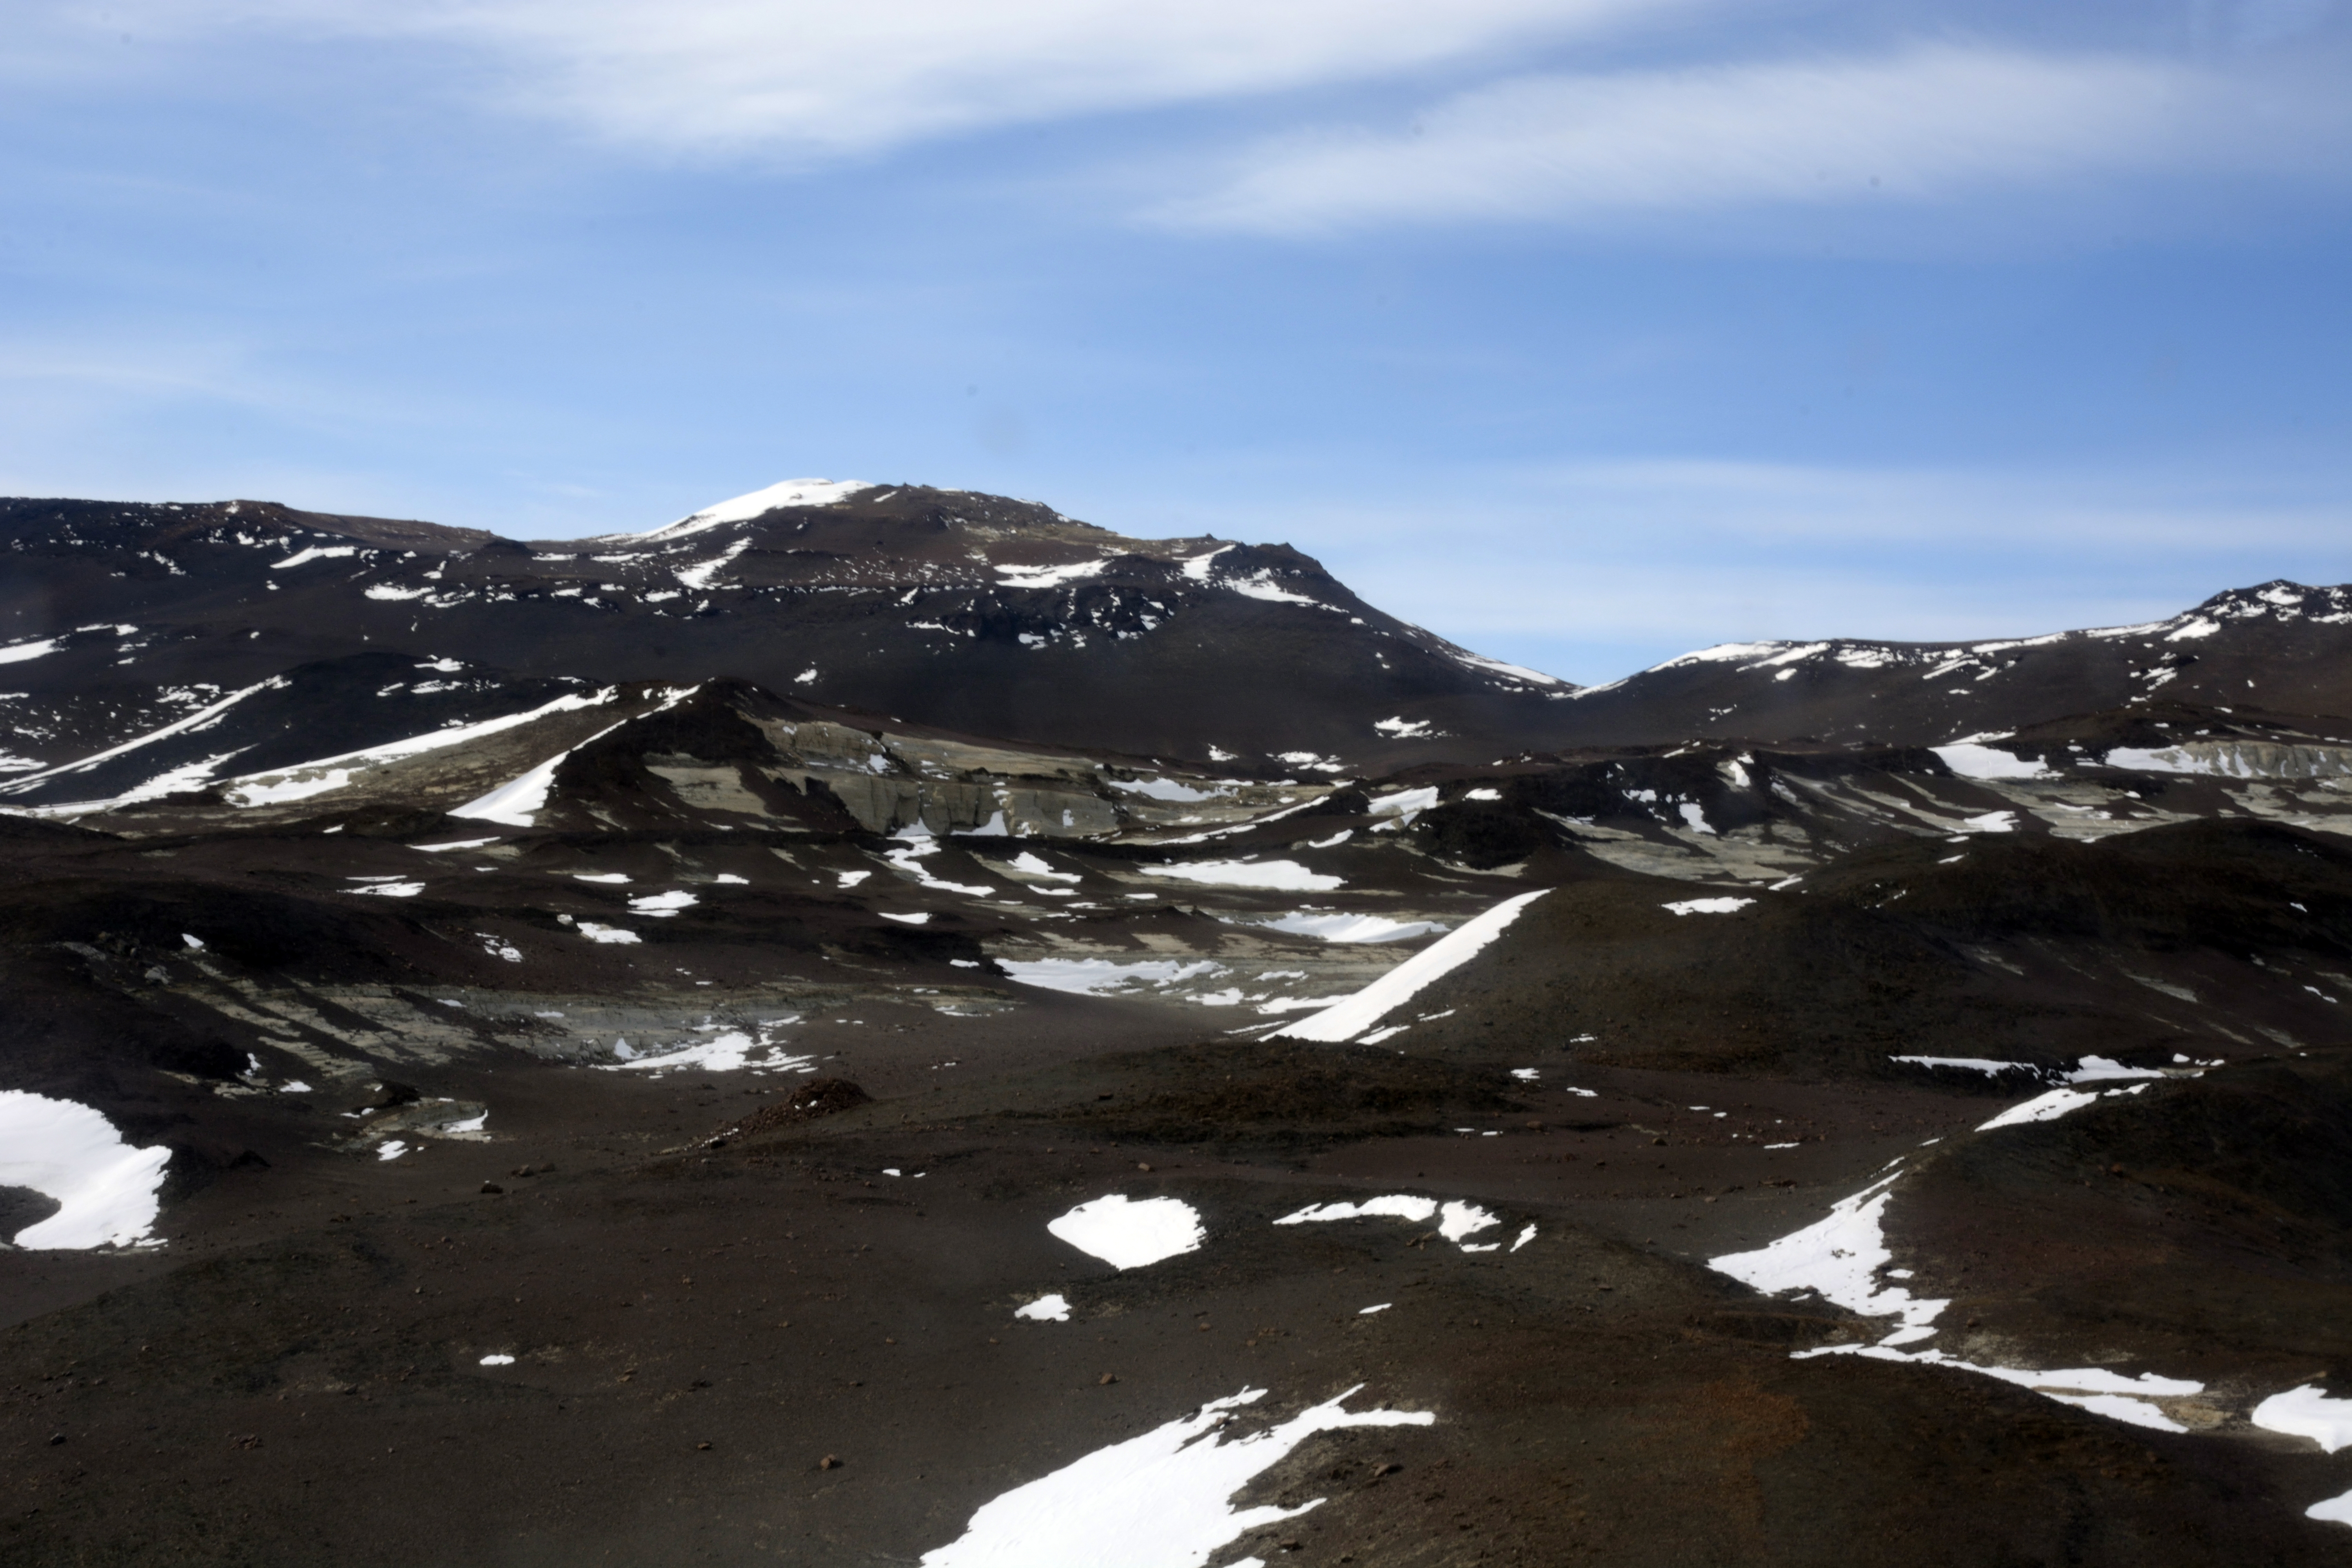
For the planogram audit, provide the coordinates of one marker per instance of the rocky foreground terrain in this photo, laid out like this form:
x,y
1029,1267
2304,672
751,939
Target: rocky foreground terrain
x,y
879,1024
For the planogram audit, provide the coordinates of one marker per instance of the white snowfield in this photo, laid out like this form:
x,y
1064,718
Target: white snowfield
x,y
700,576
1970,761
1404,800
744,508
1352,927
2305,1412
1131,1234
1353,1015
201,718
1514,672
1973,1064
316,552
518,802
1049,576
1841,1257
1707,906
1275,876
322,774
730,1050
106,1191
1104,976
1163,1499
1053,1308
2050,1107
1456,1220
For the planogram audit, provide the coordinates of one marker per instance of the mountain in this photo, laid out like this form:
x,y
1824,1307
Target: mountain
x,y
1139,1056
998,617
968,612
2280,646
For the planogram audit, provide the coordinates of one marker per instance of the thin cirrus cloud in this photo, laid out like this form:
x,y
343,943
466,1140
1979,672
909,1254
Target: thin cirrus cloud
x,y
1922,124
816,80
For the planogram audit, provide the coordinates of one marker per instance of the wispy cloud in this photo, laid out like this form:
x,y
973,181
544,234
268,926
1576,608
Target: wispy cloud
x,y
1923,124
818,77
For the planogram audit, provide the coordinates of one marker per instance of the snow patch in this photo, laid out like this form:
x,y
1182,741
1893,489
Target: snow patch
x,y
1515,671
663,906
1262,585
1351,928
1128,1234
1972,1064
518,801
1839,1258
744,508
1352,1015
1279,876
106,1191
316,552
727,1050
2050,1107
1974,762
1162,1500
1164,789
1405,800
1456,1221
1048,576
288,788
2305,1412
1197,568
1104,976
700,577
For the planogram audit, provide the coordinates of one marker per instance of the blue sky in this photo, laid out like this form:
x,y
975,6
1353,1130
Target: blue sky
x,y
1583,332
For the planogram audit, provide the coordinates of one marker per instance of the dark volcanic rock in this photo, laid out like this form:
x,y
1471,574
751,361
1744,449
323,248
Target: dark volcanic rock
x,y
683,894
